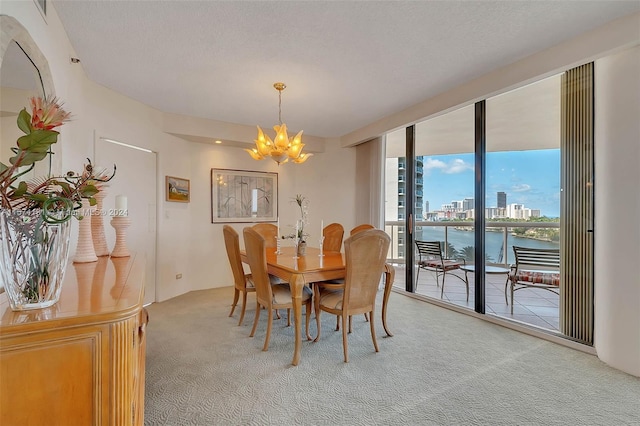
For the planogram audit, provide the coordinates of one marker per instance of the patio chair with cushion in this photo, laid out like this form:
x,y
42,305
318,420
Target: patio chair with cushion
x,y
432,259
534,268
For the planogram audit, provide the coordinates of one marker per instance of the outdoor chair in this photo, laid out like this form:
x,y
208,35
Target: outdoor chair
x,y
432,259
534,268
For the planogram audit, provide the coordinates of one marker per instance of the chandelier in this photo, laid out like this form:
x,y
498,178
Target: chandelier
x,y
283,148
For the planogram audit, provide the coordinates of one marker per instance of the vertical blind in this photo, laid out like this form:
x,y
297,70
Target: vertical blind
x,y
576,205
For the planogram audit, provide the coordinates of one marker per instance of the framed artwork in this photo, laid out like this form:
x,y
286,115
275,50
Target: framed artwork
x,y
177,189
243,196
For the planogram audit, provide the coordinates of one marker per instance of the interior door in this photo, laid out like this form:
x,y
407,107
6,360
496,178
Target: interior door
x,y
136,179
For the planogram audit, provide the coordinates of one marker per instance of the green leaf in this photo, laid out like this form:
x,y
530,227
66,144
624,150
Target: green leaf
x,y
20,190
24,121
38,141
29,158
39,198
89,191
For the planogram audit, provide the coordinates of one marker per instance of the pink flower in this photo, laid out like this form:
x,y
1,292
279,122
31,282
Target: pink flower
x,y
47,114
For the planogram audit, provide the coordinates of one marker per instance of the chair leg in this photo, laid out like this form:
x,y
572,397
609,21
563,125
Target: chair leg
x,y
278,314
268,336
344,338
442,291
506,284
417,278
307,319
338,323
288,317
350,324
466,282
316,302
512,291
236,294
366,316
244,307
255,320
373,334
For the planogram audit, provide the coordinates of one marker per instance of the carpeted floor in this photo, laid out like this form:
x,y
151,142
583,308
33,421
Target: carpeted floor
x,y
440,368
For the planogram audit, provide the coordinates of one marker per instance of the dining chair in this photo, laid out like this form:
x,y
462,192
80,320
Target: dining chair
x,y
269,232
365,257
360,228
276,296
242,282
333,234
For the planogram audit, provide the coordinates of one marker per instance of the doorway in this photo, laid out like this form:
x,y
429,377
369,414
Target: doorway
x,y
136,179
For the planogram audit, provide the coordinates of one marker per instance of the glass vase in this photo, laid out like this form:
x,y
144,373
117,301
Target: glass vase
x,y
33,257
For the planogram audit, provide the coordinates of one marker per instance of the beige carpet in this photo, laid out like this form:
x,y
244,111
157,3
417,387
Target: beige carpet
x,y
440,368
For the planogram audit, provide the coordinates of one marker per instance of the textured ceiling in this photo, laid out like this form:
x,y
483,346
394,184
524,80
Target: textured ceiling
x,y
346,63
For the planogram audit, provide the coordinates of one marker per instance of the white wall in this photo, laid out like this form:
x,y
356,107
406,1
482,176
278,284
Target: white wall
x,y
617,214
188,243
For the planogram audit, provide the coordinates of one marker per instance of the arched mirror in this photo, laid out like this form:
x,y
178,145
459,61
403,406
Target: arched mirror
x,y
24,73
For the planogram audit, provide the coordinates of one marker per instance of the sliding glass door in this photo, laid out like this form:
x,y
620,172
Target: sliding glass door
x,y
486,177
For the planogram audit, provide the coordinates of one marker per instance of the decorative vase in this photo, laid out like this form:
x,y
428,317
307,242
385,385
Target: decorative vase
x,y
33,257
84,249
97,225
302,248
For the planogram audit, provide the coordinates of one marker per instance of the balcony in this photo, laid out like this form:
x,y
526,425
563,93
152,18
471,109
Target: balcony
x,y
535,307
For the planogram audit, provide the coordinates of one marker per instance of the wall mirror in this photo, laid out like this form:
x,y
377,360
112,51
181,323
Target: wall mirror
x,y
24,72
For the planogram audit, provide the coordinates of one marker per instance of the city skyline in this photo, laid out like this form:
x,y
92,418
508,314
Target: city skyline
x,y
528,177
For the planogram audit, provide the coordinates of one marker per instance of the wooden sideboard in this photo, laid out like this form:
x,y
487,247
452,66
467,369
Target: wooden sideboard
x,y
81,361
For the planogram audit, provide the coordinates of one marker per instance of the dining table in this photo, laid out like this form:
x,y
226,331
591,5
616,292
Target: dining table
x,y
313,266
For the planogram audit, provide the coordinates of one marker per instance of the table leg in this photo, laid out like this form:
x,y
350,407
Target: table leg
x,y
389,276
295,284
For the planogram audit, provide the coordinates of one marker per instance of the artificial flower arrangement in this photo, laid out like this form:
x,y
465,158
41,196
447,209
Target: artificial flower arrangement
x,y
35,214
300,234
57,196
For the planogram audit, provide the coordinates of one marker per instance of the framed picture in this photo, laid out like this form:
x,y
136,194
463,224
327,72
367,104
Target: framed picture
x,y
243,196
177,189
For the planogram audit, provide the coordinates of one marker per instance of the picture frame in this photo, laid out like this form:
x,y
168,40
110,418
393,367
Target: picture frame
x,y
177,189
243,196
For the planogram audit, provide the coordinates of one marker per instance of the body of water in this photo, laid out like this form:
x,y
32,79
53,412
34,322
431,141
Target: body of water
x,y
493,241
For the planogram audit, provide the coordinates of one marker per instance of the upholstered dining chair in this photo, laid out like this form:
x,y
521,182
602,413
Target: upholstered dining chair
x,y
333,234
277,296
365,256
360,228
242,282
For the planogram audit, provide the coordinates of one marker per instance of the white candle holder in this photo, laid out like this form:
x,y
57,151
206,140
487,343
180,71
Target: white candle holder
x,y
120,224
97,226
321,241
84,249
278,245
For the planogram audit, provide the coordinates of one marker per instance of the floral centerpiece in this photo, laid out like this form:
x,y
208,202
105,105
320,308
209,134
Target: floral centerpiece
x,y
300,235
35,213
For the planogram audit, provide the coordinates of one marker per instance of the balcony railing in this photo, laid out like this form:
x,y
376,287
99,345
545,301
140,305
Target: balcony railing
x,y
454,232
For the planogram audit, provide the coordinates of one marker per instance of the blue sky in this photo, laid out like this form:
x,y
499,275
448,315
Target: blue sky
x,y
531,178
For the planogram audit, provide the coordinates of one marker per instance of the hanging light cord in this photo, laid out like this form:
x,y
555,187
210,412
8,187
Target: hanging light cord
x,y
280,106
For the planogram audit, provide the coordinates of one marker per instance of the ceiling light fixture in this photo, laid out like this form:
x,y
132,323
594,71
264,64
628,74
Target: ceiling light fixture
x,y
284,148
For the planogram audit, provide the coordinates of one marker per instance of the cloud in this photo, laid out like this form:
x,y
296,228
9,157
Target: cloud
x,y
452,167
521,188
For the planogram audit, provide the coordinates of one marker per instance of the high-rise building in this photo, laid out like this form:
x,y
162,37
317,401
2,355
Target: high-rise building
x,y
502,200
396,197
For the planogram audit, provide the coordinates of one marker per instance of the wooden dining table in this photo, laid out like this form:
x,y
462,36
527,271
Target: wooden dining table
x,y
310,268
